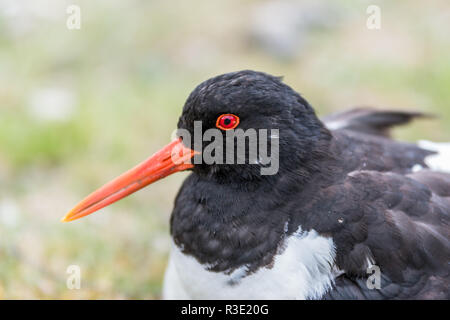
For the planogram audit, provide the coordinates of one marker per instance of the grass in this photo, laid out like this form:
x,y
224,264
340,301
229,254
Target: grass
x,y
128,71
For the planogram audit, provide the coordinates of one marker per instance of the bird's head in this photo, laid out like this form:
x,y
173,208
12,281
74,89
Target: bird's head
x,y
237,127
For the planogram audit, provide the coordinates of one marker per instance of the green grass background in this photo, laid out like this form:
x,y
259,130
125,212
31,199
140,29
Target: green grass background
x,y
128,71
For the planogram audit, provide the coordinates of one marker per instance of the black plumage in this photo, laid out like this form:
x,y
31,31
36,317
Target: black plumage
x,y
352,184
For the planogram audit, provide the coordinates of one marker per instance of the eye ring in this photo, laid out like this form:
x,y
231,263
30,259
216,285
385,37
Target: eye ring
x,y
227,121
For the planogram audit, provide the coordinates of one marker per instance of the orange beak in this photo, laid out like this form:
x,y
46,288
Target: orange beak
x,y
172,158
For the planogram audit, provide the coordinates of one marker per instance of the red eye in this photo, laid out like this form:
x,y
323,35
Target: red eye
x,y
227,121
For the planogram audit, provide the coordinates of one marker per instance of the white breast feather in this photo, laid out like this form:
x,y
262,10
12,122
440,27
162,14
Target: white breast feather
x,y
439,161
303,270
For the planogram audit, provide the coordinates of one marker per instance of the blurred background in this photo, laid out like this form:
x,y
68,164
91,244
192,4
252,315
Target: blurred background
x,y
80,106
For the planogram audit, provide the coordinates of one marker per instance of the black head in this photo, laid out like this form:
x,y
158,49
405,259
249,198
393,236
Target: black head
x,y
261,101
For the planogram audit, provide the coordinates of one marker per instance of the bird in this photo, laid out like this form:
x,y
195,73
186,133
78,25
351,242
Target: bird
x,y
347,203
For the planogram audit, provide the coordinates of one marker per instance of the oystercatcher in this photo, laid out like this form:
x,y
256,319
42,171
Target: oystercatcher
x,y
345,199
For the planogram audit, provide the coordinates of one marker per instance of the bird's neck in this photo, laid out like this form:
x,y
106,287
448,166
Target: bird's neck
x,y
228,225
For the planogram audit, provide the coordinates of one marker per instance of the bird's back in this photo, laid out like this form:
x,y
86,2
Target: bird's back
x,y
372,203
397,213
